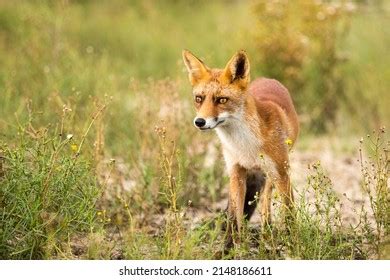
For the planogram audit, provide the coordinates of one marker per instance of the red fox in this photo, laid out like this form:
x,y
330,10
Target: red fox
x,y
257,125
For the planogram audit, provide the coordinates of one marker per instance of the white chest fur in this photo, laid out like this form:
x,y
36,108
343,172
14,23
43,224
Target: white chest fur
x,y
241,146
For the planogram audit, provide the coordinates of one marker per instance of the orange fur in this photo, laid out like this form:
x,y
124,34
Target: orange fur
x,y
256,126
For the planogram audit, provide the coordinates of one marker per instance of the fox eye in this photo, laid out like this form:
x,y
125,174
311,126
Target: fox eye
x,y
222,100
198,99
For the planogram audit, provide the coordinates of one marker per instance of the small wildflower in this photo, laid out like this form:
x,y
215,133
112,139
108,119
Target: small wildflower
x,y
108,220
288,141
66,109
69,136
261,156
74,147
99,213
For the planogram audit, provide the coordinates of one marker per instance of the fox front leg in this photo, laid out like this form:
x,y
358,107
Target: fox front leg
x,y
237,192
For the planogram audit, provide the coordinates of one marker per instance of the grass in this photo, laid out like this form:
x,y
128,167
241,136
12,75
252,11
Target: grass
x,y
47,193
98,158
53,203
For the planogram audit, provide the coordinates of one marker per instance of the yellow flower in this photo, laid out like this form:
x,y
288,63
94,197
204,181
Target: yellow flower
x,y
74,147
261,156
288,141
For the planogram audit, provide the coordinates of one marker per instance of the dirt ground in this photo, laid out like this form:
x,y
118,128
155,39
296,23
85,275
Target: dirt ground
x,y
341,166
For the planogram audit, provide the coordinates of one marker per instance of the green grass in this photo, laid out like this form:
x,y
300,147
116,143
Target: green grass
x,y
47,194
98,157
54,205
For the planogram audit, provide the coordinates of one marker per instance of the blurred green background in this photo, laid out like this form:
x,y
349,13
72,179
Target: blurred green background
x,y
333,57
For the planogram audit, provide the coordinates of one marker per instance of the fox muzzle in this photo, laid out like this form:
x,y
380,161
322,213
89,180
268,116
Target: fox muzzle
x,y
208,123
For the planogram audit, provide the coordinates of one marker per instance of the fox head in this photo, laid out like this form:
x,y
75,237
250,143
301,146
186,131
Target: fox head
x,y
219,94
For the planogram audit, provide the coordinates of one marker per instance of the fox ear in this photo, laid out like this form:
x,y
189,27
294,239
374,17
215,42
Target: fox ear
x,y
237,70
197,70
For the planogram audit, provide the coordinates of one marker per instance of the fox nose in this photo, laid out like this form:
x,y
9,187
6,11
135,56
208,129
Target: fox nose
x,y
199,122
